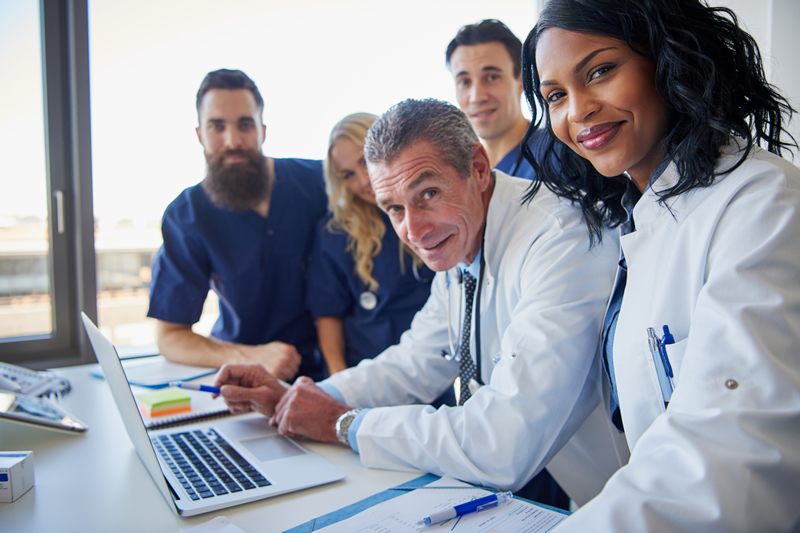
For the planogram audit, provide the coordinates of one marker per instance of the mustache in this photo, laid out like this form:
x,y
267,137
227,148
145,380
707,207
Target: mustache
x,y
217,160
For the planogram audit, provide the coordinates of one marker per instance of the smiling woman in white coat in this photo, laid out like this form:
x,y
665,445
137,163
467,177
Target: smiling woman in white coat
x,y
655,113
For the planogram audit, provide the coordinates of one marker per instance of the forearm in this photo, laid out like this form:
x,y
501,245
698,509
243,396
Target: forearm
x,y
330,332
179,344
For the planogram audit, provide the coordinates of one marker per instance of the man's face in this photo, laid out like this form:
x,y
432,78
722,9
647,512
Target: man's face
x,y
232,134
486,88
230,120
434,210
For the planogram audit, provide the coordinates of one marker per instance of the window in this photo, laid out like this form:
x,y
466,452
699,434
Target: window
x,y
88,207
314,63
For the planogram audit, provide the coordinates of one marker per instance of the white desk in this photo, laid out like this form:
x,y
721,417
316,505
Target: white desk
x,y
69,494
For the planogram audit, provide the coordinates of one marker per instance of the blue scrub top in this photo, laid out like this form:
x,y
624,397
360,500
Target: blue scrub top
x,y
256,265
525,170
334,290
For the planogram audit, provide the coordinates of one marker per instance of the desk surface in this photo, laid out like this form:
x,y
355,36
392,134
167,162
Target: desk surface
x,y
70,495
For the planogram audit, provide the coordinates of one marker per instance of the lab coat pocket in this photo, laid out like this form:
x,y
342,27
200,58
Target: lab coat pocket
x,y
653,372
675,353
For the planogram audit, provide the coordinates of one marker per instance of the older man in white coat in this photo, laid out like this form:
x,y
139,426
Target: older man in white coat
x,y
525,357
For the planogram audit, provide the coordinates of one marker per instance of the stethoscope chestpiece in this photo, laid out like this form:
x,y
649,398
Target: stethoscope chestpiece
x,y
450,357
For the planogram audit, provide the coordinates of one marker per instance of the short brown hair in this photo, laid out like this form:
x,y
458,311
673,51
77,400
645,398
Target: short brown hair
x,y
228,79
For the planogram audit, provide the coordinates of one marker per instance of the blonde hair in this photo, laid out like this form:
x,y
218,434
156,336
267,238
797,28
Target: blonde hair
x,y
361,220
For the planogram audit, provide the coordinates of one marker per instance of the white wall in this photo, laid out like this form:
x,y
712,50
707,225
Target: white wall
x,y
786,66
775,24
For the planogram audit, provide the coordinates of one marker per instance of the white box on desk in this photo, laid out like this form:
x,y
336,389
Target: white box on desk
x,y
16,475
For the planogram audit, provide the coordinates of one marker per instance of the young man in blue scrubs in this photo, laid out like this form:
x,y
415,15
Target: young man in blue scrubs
x,y
245,232
484,59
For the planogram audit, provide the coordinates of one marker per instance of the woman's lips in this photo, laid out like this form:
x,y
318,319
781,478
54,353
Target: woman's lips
x,y
598,136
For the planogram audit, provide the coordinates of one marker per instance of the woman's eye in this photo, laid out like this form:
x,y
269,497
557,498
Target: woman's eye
x,y
553,96
347,175
600,71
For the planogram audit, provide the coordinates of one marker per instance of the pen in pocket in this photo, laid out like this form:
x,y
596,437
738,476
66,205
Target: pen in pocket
x,y
661,364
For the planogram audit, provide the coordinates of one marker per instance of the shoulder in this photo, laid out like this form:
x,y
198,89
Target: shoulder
x,y
544,208
189,206
761,177
301,179
328,230
302,170
759,166
515,229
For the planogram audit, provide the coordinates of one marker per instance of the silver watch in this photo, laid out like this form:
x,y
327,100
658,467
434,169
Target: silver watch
x,y
343,424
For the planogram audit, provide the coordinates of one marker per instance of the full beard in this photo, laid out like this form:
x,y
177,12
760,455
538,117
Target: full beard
x,y
238,186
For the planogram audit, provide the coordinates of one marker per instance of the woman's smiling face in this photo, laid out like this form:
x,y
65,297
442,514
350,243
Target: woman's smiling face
x,y
603,102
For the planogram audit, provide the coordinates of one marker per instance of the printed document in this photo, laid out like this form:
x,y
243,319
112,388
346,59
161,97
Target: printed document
x,y
399,515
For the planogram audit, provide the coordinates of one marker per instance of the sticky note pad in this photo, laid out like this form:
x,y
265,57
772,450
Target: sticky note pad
x,y
165,402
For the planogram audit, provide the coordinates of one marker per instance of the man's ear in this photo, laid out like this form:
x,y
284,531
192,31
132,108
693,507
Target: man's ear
x,y
481,165
199,137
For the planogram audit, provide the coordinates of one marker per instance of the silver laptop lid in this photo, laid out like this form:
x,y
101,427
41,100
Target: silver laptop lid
x,y
118,383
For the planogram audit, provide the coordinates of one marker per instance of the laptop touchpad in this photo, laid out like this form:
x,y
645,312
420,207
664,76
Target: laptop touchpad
x,y
271,448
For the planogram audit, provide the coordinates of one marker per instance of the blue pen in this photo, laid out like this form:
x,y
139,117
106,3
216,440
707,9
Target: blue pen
x,y
470,507
656,351
194,386
667,339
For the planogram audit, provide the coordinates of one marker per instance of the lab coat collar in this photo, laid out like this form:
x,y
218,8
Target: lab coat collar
x,y
648,210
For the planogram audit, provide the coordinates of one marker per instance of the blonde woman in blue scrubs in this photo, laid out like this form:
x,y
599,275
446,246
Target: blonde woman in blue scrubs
x,y
364,286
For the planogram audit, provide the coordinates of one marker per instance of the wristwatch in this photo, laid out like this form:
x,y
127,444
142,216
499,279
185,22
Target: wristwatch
x,y
343,424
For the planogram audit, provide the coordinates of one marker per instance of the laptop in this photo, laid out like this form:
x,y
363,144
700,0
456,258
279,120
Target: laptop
x,y
204,467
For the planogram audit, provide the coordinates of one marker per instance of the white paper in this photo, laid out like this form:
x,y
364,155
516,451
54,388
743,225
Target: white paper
x,y
156,371
399,515
218,525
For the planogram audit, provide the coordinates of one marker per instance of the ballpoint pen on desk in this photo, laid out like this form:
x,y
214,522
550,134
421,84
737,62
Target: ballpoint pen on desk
x,y
474,506
659,359
194,386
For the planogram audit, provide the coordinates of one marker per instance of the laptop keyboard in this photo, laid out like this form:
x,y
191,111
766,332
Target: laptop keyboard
x,y
197,460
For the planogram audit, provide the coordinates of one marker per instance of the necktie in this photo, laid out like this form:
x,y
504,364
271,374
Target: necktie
x,y
467,370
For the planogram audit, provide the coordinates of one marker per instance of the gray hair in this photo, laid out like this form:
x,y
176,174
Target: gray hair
x,y
442,124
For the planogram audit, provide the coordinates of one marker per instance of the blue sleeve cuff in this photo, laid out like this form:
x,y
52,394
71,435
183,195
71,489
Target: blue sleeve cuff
x,y
334,393
331,391
353,429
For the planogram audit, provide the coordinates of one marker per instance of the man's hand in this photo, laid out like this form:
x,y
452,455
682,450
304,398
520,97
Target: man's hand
x,y
249,388
305,410
280,359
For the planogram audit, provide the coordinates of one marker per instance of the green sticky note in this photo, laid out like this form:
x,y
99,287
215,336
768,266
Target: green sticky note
x,y
164,398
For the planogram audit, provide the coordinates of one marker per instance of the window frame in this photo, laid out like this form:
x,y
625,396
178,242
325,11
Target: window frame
x,y
68,158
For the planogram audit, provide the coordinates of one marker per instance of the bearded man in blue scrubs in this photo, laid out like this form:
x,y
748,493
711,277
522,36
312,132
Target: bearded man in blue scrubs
x,y
245,232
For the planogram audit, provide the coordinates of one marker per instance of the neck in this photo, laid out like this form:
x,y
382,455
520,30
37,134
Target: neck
x,y
486,197
498,147
263,207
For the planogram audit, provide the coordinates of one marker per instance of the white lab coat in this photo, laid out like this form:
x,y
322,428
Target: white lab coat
x,y
722,269
544,293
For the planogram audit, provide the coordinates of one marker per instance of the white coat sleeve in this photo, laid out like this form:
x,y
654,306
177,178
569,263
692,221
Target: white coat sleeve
x,y
538,392
725,456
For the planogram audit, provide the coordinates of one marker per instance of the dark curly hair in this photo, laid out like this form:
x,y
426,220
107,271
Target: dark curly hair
x,y
709,73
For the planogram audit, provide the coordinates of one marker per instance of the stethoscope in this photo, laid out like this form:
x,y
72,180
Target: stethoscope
x,y
368,300
474,384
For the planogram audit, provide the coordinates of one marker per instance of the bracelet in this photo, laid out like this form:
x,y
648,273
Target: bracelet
x,y
343,425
